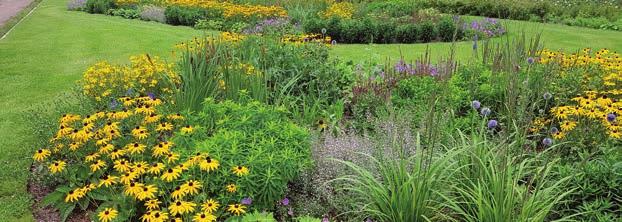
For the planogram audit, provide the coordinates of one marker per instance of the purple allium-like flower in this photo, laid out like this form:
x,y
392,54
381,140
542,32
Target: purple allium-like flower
x,y
285,201
113,104
485,111
476,104
611,117
530,60
247,201
547,95
433,71
547,141
129,92
151,95
554,130
325,219
333,42
492,124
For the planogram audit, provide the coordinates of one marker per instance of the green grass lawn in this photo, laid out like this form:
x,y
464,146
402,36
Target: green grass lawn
x,y
553,36
45,55
48,51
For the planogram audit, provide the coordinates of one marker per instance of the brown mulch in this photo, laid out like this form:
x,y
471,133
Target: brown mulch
x,y
49,214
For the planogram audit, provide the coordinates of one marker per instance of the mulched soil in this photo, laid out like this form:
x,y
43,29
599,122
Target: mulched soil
x,y
49,214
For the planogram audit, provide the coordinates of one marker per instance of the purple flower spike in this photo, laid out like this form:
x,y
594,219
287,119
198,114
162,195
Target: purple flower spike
x,y
247,201
611,117
285,201
476,104
547,141
492,124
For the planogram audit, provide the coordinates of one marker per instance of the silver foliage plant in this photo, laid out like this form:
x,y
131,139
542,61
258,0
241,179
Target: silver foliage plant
x,y
153,13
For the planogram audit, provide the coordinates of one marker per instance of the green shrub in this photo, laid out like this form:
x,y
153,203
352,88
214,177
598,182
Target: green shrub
x,y
125,13
406,33
427,32
176,15
447,29
99,6
209,24
255,135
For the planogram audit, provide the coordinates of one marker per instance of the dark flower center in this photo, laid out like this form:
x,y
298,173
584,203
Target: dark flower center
x,y
40,151
106,212
190,184
170,171
178,203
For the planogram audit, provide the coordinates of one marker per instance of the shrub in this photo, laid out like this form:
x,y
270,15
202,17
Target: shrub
x,y
257,136
427,32
99,6
76,5
406,33
125,13
153,13
176,15
447,29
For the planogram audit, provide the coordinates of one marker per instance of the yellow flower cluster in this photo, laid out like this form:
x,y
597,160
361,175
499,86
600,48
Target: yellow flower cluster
x,y
343,10
234,10
126,2
306,38
199,43
127,150
144,75
600,106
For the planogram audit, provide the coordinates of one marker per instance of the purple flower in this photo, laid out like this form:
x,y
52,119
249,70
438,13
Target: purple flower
x,y
433,71
547,141
151,95
554,130
485,111
325,219
285,201
492,124
129,92
113,104
476,104
530,60
290,212
247,201
611,117
333,42
547,95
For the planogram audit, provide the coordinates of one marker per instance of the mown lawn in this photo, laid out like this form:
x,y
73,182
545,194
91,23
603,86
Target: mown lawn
x,y
45,55
48,51
553,36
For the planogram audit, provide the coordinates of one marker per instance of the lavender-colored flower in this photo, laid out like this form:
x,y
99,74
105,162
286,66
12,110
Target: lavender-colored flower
x,y
530,60
333,42
547,141
475,42
433,71
325,219
290,212
247,201
285,201
368,220
113,104
492,124
547,95
485,111
554,130
129,92
476,104
611,117
151,95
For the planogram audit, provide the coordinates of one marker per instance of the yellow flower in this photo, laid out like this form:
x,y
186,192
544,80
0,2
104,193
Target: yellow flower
x,y
148,192
209,164
559,135
191,187
97,165
41,154
187,129
568,125
156,168
128,177
616,134
162,127
210,206
140,133
133,189
231,188
172,157
121,166
152,118
106,148
176,116
152,204
107,181
240,170
170,175
57,166
91,158
135,148
155,216
107,215
236,209
116,153
204,217
178,193
181,207
74,195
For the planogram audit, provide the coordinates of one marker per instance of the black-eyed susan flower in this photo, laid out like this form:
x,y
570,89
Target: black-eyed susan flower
x,y
57,166
107,215
68,119
140,167
155,216
148,192
240,170
153,204
128,177
74,195
105,149
145,110
99,164
91,157
178,193
135,148
116,153
133,188
568,125
127,101
187,129
75,146
170,175
231,188
64,131
138,131
108,180
152,118
41,155
209,164
321,125
559,135
210,206
236,209
164,127
121,165
181,207
156,168
616,134
191,187
204,217
176,116
172,157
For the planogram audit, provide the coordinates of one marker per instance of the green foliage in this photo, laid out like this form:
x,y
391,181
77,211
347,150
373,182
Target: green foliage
x,y
427,32
127,13
209,24
176,15
99,6
447,30
254,135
